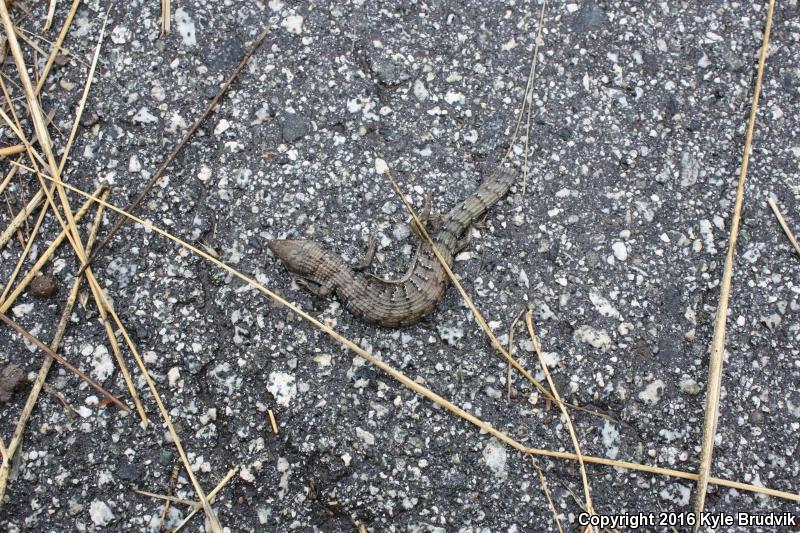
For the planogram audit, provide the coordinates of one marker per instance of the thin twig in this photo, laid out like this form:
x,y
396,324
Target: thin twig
x,y
477,314
543,483
38,384
211,496
529,100
573,435
6,151
718,339
66,364
6,304
783,224
134,205
416,387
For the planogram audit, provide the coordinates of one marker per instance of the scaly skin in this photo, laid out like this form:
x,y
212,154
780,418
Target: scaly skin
x,y
404,301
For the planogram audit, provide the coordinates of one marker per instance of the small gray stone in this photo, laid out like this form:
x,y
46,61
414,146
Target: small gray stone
x,y
690,386
590,18
165,458
74,508
294,127
389,72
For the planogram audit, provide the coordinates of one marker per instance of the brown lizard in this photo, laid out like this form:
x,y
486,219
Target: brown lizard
x,y
401,302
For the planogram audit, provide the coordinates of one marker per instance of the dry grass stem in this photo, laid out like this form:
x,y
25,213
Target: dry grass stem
x,y
511,350
168,498
529,101
6,151
718,338
38,384
212,517
166,16
272,421
66,364
543,483
70,227
40,126
20,218
105,308
414,386
6,303
8,177
84,96
478,317
538,349
65,155
173,480
51,10
112,339
120,221
783,224
39,39
211,496
25,251
57,46
4,468
71,411
10,211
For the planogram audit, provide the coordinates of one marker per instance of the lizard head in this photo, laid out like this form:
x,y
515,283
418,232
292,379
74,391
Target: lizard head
x,y
298,256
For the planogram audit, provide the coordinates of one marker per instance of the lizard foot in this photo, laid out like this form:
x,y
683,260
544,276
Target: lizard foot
x,y
366,260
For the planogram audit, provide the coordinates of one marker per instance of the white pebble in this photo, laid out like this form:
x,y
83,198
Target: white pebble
x,y
652,393
100,513
222,125
293,24
173,375
366,436
495,455
282,386
620,250
186,27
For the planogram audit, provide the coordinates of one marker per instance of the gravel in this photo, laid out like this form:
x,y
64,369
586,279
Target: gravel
x,y
618,246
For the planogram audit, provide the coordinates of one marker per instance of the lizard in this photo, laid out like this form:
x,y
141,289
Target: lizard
x,y
404,301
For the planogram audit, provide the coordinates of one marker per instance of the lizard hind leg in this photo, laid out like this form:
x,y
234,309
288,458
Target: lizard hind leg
x,y
463,242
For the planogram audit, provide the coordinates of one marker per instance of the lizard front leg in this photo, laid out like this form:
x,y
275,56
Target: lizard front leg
x,y
316,289
432,221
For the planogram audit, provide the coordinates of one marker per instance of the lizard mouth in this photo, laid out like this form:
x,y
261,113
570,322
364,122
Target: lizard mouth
x,y
290,252
283,248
